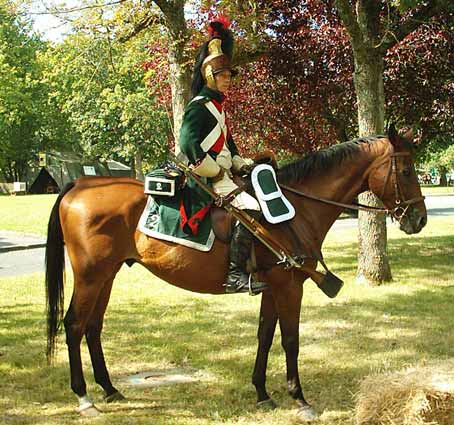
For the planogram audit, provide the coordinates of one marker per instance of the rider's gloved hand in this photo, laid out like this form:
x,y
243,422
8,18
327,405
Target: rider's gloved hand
x,y
246,169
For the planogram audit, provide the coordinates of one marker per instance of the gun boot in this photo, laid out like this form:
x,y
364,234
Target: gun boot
x,y
238,279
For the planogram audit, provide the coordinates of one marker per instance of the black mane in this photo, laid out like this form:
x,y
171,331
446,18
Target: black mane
x,y
317,162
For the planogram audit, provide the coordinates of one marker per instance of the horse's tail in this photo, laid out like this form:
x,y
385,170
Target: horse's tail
x,y
55,265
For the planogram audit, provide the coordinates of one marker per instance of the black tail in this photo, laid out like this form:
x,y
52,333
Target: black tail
x,y
55,265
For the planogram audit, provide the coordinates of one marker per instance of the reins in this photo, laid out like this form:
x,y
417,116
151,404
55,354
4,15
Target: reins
x,y
401,204
356,206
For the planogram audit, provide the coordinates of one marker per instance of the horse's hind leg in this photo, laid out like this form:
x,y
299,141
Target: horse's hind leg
x,y
89,298
265,335
93,336
82,305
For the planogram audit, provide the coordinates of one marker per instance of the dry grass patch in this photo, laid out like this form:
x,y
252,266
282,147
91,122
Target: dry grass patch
x,y
414,396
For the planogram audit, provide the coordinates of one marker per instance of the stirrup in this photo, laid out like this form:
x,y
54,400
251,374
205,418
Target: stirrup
x,y
246,287
249,285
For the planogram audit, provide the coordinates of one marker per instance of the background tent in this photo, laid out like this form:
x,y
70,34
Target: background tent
x,y
118,169
61,168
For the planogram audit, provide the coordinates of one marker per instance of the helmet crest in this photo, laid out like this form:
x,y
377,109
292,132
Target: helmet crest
x,y
215,55
218,26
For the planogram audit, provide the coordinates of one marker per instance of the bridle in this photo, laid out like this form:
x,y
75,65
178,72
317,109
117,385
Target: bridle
x,y
401,204
398,212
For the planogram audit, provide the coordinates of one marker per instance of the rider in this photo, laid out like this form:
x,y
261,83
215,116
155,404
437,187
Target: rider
x,y
207,142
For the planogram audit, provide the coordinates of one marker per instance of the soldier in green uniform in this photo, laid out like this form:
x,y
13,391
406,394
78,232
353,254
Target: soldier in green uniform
x,y
208,144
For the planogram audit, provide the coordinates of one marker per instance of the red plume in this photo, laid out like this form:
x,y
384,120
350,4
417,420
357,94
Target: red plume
x,y
221,23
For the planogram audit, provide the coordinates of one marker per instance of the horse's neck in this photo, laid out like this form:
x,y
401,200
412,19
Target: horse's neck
x,y
340,184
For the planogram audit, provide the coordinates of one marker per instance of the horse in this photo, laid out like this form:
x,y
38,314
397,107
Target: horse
x,y
96,219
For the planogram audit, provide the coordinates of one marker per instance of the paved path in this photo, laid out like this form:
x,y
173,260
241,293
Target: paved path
x,y
14,241
24,253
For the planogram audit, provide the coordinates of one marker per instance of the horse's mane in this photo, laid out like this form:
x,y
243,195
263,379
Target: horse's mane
x,y
317,162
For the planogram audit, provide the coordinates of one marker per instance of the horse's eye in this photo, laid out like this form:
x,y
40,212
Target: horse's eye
x,y
406,172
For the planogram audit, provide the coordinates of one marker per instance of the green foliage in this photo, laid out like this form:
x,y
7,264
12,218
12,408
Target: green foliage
x,y
447,157
22,95
442,160
405,5
98,83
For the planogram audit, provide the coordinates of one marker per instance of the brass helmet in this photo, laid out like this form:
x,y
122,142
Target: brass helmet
x,y
214,56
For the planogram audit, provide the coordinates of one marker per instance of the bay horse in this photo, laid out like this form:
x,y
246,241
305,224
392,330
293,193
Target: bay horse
x,y
96,218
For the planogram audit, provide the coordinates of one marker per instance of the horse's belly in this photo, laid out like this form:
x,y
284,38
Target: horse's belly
x,y
184,267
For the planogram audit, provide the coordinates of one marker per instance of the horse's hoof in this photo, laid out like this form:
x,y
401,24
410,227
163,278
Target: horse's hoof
x,y
89,412
266,405
306,414
116,396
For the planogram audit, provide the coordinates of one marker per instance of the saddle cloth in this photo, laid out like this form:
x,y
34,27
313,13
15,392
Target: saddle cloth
x,y
163,220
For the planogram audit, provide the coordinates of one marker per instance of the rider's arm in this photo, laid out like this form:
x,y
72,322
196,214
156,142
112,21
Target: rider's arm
x,y
237,161
194,129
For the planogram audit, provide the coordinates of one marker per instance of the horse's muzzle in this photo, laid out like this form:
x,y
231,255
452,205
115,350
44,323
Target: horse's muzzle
x,y
412,220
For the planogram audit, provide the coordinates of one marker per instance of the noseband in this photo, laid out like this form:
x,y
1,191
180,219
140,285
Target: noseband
x,y
398,212
401,204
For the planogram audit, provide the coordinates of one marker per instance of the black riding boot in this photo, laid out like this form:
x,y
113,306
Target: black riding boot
x,y
240,248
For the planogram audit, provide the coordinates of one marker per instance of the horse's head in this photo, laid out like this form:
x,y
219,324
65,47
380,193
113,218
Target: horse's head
x,y
393,179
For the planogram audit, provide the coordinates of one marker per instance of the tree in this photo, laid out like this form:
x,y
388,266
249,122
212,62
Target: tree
x,y
447,158
302,88
417,82
99,85
374,28
22,96
318,43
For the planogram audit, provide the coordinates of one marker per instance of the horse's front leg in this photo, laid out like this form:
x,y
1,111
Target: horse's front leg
x,y
288,305
265,335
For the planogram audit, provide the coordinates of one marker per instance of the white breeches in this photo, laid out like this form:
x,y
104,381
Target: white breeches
x,y
242,201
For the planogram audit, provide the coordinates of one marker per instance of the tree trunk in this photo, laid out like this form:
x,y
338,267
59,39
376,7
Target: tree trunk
x,y
179,83
362,21
443,179
373,263
180,73
138,170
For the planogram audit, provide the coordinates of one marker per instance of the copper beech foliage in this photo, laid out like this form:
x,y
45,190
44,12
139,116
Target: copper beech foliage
x,y
300,97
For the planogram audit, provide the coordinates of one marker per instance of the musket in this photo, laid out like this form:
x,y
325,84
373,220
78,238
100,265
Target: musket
x,y
328,283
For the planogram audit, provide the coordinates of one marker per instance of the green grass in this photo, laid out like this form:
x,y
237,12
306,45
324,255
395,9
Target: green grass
x,y
152,325
437,190
26,214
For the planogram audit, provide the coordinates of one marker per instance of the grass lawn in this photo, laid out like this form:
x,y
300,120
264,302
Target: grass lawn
x,y
437,190
26,214
152,325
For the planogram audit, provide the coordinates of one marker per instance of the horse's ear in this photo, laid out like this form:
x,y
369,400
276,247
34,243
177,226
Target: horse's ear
x,y
392,134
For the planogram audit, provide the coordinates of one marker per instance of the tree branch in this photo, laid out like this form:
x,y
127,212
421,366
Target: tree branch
x,y
173,12
349,20
146,22
243,57
368,16
57,11
421,16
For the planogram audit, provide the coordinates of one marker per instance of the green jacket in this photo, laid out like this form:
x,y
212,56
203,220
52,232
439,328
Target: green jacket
x,y
198,134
